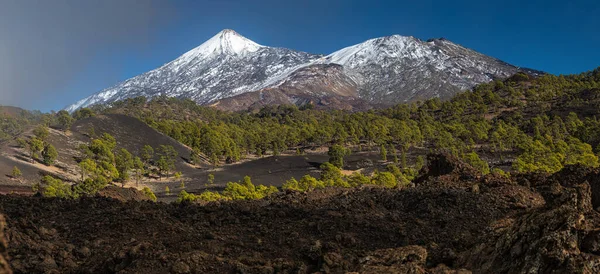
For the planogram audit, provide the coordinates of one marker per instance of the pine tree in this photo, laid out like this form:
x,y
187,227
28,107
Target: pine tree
x,y
147,154
123,163
420,162
394,154
195,156
65,119
383,153
167,158
211,179
336,155
214,160
21,142
403,158
138,165
49,155
88,168
148,192
35,146
41,132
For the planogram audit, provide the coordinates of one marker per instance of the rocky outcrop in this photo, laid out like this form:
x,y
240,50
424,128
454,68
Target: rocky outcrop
x,y
4,266
123,194
561,237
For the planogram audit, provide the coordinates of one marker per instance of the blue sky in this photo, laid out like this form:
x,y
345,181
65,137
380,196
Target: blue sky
x,y
560,37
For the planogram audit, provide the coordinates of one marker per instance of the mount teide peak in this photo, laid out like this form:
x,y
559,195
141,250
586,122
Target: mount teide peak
x,y
232,72
226,42
225,65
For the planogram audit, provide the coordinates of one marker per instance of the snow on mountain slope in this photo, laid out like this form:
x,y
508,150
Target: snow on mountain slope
x,y
384,70
226,65
397,69
225,42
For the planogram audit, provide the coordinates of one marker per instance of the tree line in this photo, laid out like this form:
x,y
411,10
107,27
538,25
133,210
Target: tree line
x,y
517,118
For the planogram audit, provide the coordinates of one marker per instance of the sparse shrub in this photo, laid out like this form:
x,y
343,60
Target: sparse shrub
x,y
400,177
41,132
207,196
21,142
184,196
358,179
331,175
52,187
306,183
246,190
16,172
92,132
210,196
410,173
473,159
385,179
148,192
178,176
500,172
89,186
420,162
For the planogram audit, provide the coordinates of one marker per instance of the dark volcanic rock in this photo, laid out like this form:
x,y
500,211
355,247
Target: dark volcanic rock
x,y
439,226
4,265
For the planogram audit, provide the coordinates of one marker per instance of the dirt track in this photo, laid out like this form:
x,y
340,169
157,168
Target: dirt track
x,y
535,223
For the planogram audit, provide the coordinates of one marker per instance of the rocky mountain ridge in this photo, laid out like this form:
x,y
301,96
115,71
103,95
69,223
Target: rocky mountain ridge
x,y
232,72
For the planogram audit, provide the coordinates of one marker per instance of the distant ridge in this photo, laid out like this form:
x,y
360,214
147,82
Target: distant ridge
x,y
384,70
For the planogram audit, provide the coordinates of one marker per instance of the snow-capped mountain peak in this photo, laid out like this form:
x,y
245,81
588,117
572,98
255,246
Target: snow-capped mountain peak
x,y
225,42
404,68
393,46
225,65
383,70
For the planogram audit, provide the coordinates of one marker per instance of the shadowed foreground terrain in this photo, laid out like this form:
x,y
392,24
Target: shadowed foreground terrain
x,y
453,219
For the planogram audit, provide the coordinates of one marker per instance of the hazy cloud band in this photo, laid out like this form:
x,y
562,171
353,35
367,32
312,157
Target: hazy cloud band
x,y
44,44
